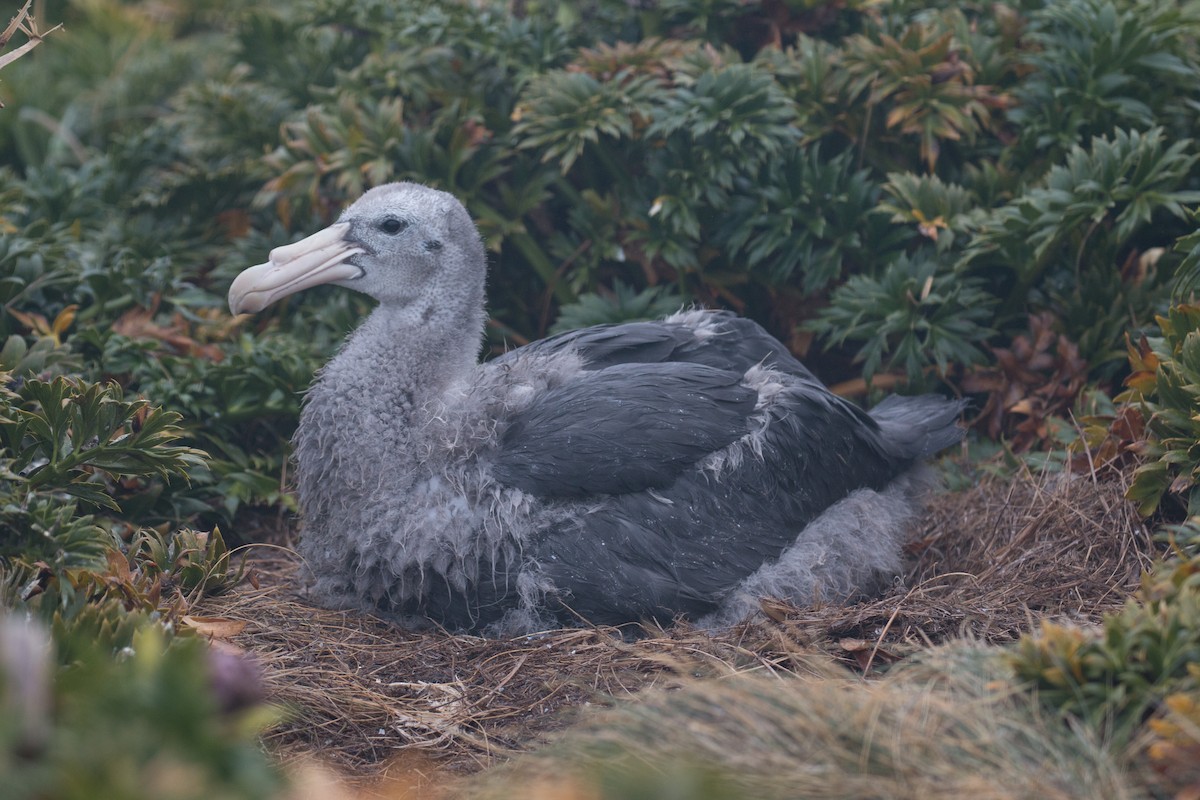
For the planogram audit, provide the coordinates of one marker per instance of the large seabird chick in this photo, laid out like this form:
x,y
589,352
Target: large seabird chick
x,y
613,474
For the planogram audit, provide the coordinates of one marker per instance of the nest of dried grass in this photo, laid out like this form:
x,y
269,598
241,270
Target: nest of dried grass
x,y
989,562
992,560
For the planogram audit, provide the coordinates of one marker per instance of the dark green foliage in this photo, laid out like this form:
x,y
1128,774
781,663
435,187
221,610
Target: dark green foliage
x,y
1058,244
240,411
1099,65
43,529
1188,279
68,450
747,175
194,562
909,78
938,210
566,111
101,702
804,215
1089,206
914,316
909,181
76,462
622,304
65,433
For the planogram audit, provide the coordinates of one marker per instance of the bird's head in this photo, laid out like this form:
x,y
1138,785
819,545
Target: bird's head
x,y
404,244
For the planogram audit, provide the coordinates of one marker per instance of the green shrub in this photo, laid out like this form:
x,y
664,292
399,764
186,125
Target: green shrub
x,y
918,314
1085,211
1113,678
97,698
68,451
1166,386
908,181
675,147
1099,65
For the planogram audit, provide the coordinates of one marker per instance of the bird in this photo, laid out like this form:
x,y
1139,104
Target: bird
x,y
621,474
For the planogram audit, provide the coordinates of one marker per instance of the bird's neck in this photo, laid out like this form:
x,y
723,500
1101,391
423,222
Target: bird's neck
x,y
399,359
378,392
364,417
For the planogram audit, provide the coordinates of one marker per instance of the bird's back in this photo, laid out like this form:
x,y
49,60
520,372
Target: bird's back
x,y
680,464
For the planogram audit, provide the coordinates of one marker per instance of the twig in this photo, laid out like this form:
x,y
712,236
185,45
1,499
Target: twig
x,y
27,25
15,23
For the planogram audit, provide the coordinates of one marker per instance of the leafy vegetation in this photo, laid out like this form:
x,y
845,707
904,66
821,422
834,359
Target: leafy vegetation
x,y
1165,387
96,694
1113,679
77,722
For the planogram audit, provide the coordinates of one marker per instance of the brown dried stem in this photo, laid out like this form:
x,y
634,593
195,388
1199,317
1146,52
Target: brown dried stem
x,y
25,23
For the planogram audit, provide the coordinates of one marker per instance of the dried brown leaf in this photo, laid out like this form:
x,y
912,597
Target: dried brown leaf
x,y
215,627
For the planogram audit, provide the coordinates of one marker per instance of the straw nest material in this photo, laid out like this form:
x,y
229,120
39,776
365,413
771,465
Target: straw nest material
x,y
988,563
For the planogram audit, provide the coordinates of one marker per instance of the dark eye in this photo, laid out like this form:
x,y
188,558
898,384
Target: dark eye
x,y
392,226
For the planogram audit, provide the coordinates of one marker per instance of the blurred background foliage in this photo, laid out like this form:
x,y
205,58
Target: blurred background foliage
x,y
896,190
975,198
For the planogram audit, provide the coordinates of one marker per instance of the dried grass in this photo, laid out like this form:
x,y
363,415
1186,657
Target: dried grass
x,y
989,562
995,558
952,728
362,690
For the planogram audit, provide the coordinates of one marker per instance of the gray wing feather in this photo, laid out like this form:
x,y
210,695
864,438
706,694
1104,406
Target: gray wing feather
x,y
732,343
623,429
603,346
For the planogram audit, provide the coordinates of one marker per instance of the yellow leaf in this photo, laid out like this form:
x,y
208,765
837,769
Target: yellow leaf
x,y
1023,406
898,115
1159,751
930,229
1181,484
1055,676
62,322
1181,704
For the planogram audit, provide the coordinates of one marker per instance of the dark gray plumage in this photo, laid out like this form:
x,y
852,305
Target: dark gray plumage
x,y
621,429
613,474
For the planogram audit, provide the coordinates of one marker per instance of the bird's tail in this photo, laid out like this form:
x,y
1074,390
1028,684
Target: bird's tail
x,y
918,427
